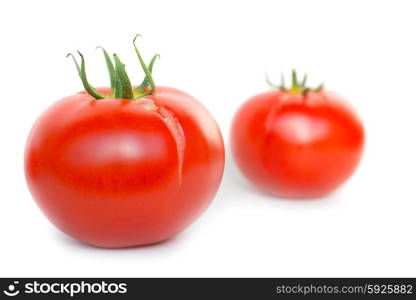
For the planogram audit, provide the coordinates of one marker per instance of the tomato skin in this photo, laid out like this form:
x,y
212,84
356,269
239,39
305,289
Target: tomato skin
x,y
112,173
297,146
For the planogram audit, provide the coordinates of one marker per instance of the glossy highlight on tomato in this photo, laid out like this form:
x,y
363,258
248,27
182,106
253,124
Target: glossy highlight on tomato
x,y
297,142
120,172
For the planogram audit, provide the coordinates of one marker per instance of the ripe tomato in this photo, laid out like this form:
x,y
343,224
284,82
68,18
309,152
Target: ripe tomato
x,y
122,172
297,142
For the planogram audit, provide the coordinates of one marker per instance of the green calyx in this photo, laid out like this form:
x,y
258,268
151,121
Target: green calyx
x,y
120,83
298,87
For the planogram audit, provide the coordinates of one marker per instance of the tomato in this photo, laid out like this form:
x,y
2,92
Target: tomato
x,y
298,142
121,172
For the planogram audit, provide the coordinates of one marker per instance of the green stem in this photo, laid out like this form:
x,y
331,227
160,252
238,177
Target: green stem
x,y
146,70
297,87
83,75
120,83
305,78
145,83
110,68
271,84
295,84
126,88
75,62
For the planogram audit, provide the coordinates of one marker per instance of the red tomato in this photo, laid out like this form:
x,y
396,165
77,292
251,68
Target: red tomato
x,y
297,143
119,172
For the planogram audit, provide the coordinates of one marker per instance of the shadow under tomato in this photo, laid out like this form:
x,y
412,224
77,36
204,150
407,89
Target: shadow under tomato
x,y
328,197
72,242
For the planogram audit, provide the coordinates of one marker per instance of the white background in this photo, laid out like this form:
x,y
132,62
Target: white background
x,y
218,51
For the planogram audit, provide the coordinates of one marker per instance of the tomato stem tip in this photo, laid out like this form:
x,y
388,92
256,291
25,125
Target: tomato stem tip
x,y
298,87
120,82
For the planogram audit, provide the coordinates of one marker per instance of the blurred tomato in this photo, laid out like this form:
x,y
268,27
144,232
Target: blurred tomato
x,y
297,142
